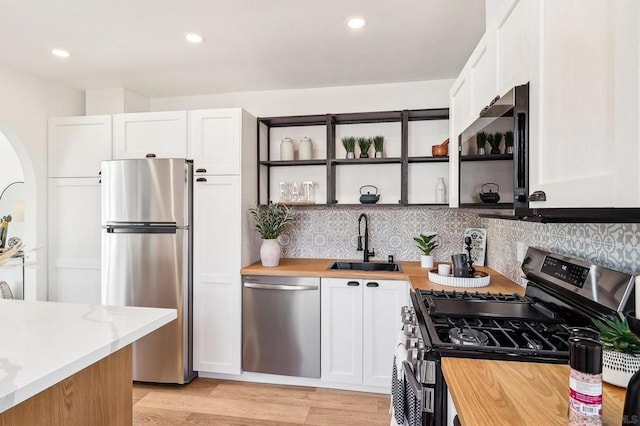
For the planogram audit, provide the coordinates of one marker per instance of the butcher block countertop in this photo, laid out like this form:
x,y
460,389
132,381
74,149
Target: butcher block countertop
x,y
411,271
517,393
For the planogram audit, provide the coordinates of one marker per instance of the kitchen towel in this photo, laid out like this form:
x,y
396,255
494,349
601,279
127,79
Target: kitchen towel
x,y
397,395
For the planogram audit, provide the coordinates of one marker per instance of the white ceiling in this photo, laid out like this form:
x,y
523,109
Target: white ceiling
x,y
249,44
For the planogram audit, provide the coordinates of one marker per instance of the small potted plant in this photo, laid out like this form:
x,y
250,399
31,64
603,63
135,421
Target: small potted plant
x,y
378,143
494,142
349,144
508,142
271,221
426,244
481,141
364,144
621,354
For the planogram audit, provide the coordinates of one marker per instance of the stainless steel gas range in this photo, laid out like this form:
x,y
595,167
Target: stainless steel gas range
x,y
562,293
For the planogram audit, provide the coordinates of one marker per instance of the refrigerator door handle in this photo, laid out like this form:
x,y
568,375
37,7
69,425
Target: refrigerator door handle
x,y
142,228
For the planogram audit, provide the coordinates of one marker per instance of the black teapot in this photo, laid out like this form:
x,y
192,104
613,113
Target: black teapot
x,y
489,197
369,198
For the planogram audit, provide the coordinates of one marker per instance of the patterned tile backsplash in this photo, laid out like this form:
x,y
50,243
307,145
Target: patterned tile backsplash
x,y
331,232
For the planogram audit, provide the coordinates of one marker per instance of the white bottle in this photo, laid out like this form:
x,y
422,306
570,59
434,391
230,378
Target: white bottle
x,y
441,191
286,149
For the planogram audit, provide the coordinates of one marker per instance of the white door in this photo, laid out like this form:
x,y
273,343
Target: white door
x,y
215,141
74,240
513,29
159,134
382,323
217,287
341,330
77,145
483,73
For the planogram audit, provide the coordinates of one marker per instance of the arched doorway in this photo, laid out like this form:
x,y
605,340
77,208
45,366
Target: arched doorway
x,y
18,199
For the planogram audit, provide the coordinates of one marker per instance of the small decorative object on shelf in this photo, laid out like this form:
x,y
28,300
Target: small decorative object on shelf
x,y
489,197
508,142
286,149
494,141
441,150
305,149
481,141
621,356
364,144
441,191
426,244
271,221
378,144
349,144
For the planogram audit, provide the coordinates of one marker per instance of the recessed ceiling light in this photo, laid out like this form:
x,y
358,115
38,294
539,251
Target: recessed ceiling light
x,y
60,53
194,38
356,22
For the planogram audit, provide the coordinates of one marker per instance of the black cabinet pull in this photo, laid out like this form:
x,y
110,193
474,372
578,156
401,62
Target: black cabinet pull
x,y
201,170
372,284
353,283
201,180
150,155
100,172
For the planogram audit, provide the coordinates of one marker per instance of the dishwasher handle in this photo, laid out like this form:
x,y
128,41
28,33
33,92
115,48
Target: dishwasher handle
x,y
280,287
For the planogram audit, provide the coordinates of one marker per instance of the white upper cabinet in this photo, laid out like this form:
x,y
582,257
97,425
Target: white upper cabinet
x,y
584,105
482,71
215,140
513,38
159,134
77,145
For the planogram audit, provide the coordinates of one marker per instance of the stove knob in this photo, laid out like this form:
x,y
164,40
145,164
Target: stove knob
x,y
409,329
412,342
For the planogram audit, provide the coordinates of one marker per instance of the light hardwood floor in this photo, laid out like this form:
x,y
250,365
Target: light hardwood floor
x,y
220,402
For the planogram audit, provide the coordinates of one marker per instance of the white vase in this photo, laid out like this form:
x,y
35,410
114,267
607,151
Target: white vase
x,y
426,261
617,367
270,253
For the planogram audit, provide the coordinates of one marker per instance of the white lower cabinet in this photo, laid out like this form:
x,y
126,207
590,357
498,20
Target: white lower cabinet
x,y
217,289
74,240
359,328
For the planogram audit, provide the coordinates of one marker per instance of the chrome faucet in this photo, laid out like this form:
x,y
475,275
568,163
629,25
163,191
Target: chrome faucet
x,y
367,253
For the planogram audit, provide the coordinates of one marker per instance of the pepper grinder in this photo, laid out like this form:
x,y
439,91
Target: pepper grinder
x,y
470,268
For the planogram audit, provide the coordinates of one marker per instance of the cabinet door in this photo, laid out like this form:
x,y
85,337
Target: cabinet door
x,y
382,323
572,130
77,145
163,134
341,330
217,289
514,32
74,240
215,140
459,119
483,73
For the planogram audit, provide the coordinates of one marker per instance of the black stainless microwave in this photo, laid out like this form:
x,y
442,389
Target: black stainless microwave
x,y
507,113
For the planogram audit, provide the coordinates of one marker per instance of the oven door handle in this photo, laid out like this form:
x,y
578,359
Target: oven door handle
x,y
424,394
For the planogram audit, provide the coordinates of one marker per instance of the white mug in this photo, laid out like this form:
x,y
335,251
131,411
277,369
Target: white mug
x,y
444,269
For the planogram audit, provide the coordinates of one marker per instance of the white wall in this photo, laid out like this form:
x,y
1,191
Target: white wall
x,y
379,97
25,105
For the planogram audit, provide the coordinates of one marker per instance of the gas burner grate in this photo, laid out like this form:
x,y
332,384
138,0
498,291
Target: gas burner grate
x,y
473,295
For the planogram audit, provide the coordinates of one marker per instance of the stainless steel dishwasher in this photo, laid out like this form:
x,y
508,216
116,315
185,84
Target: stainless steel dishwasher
x,y
281,325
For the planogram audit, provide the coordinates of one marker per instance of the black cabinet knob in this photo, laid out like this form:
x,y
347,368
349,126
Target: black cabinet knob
x,y
201,179
201,170
373,284
353,283
150,155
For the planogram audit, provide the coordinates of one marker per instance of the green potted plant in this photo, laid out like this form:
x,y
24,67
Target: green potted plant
x,y
378,143
481,141
621,354
364,144
508,142
271,221
349,144
494,142
426,243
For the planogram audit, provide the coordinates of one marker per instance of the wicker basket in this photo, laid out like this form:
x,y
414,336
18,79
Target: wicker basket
x,y
618,367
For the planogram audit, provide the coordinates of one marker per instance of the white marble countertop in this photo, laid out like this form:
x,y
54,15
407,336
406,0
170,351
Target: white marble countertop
x,y
43,343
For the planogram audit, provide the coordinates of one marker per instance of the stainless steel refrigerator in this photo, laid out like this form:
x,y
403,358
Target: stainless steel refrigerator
x,y
147,257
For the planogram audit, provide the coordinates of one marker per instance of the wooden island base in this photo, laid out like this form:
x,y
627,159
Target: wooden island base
x,y
101,394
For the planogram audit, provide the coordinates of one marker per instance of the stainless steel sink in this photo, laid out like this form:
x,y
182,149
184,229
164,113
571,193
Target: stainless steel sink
x,y
366,266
